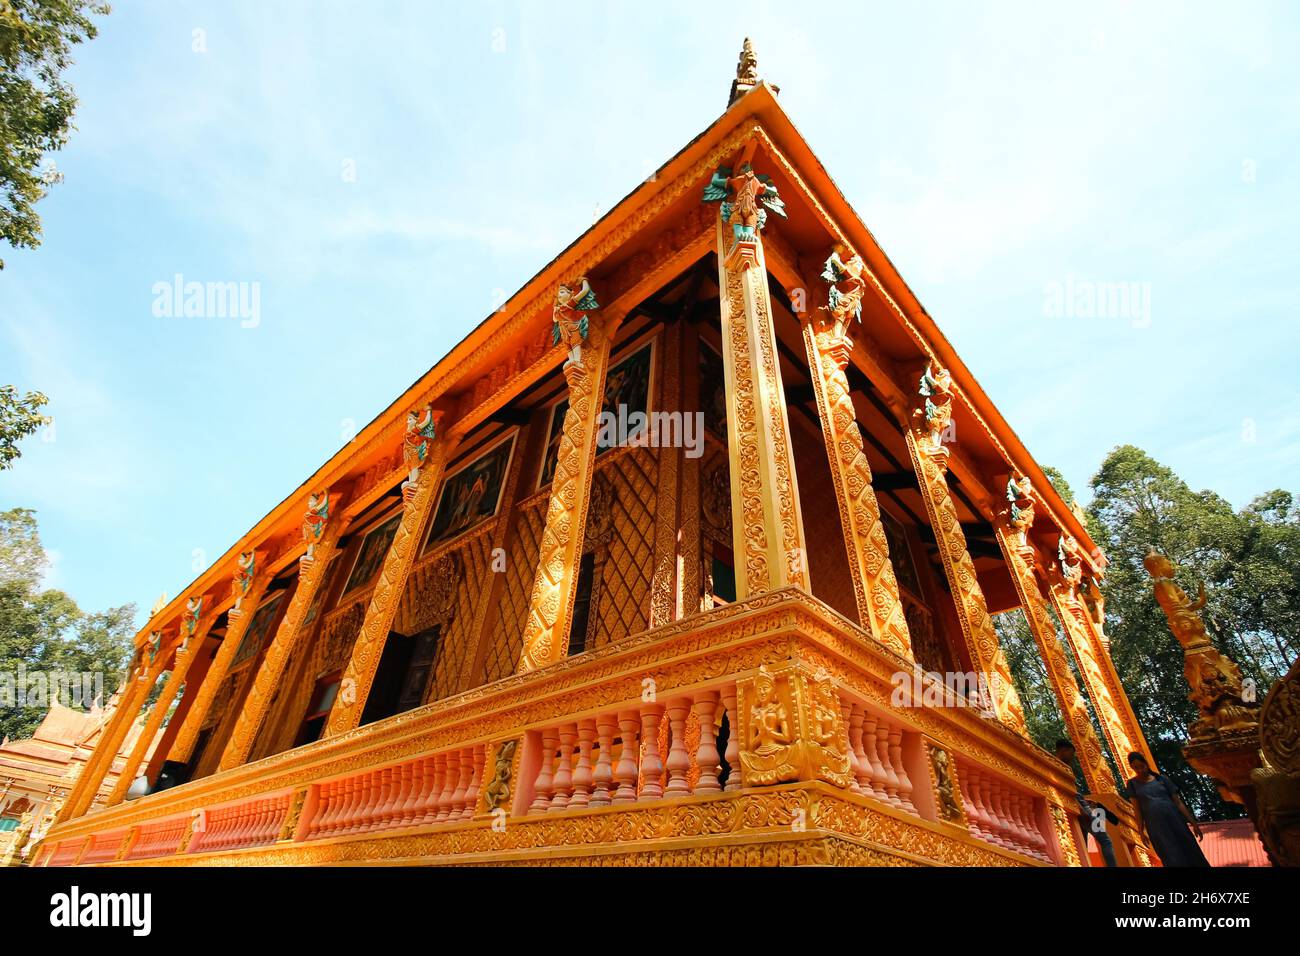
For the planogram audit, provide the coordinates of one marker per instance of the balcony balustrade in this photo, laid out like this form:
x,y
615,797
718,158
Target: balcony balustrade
x,y
667,746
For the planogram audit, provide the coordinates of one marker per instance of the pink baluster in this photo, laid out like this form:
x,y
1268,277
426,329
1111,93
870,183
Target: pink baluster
x,y
342,799
379,794
679,758
875,770
974,819
448,787
896,759
366,801
606,725
996,829
426,809
652,767
357,808
732,752
401,795
625,772
706,755
391,811
582,772
847,711
435,793
562,785
543,787
477,756
324,804
465,758
414,773
886,765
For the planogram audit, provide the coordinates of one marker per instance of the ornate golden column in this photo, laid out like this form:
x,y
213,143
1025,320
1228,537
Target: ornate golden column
x,y
1118,723
248,586
925,443
550,610
425,452
101,761
829,348
767,528
1012,530
192,636
322,535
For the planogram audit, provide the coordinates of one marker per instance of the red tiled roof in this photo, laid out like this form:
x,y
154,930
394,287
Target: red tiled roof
x,y
1232,843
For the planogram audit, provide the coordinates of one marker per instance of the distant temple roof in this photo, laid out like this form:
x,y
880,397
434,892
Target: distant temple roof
x,y
1233,843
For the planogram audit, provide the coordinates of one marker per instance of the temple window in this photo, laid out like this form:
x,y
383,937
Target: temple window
x,y
322,699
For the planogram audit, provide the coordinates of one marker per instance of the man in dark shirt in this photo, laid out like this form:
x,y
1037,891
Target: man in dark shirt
x,y
1091,817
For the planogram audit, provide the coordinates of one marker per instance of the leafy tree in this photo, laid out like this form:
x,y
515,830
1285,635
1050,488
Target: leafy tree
x,y
1249,561
36,103
43,630
18,419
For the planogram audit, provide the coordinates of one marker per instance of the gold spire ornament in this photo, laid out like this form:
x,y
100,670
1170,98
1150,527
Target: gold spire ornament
x,y
1216,684
747,74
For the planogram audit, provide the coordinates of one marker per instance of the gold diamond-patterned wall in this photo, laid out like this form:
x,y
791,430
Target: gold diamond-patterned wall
x,y
457,639
507,634
626,562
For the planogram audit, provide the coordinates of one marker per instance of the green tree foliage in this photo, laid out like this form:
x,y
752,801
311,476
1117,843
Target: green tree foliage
x,y
43,630
19,417
36,103
1249,561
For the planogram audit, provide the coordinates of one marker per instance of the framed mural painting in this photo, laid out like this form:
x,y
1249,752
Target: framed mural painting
x,y
472,493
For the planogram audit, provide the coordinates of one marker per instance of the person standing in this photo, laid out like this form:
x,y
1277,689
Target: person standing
x,y
1088,817
1164,817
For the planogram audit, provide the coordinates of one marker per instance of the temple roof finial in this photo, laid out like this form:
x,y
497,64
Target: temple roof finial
x,y
746,73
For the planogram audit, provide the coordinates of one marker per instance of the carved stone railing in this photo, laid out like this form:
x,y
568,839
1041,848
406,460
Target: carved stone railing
x,y
158,839
758,732
1004,813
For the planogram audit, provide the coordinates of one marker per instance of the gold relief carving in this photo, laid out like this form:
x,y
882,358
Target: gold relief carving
x,y
432,592
929,459
944,778
768,543
322,535
791,729
880,609
551,605
1214,679
292,815
715,498
842,830
497,792
1279,731
600,512
743,425
1012,529
1064,835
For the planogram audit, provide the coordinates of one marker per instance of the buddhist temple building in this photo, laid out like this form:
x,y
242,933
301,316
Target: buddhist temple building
x,y
688,554
37,773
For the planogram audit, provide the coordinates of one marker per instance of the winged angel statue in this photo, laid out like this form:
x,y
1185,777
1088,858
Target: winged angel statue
x,y
752,195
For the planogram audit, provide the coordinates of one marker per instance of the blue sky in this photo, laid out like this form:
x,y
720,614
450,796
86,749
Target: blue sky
x,y
997,152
